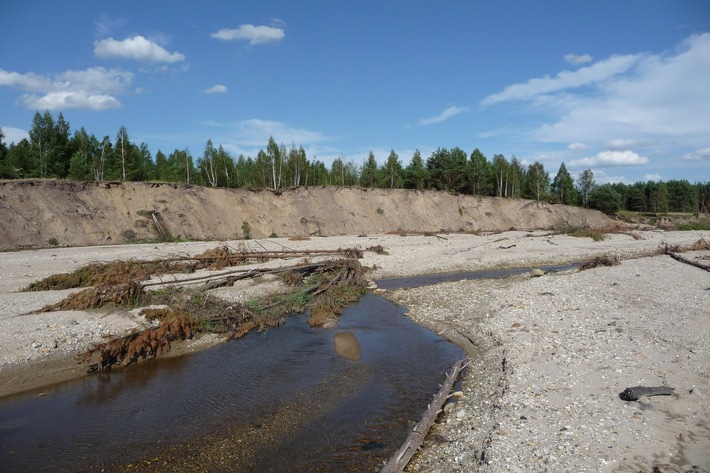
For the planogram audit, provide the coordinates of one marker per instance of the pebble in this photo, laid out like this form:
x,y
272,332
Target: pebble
x,y
554,405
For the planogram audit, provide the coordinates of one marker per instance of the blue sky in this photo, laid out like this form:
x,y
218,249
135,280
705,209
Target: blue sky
x,y
621,87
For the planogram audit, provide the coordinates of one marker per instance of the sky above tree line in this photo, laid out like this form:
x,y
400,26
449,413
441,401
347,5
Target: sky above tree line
x,y
622,88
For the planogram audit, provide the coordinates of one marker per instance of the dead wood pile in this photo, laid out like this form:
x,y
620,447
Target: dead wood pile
x,y
187,309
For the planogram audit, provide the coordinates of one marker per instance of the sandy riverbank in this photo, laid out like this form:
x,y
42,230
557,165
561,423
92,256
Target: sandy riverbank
x,y
553,352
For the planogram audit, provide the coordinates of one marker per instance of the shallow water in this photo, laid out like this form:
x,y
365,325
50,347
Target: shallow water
x,y
408,282
281,400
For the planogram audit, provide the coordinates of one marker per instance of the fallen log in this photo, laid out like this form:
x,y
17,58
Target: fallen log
x,y
682,259
401,458
637,392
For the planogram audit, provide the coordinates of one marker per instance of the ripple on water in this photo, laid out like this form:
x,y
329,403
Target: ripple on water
x,y
280,400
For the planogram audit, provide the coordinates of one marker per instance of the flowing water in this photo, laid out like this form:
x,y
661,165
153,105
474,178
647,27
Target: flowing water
x,y
276,401
280,400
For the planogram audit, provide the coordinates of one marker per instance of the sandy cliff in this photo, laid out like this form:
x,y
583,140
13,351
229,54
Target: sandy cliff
x,y
68,213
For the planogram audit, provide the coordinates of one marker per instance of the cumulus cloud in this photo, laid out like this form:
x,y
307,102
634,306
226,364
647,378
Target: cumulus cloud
x,y
698,155
576,146
652,177
65,100
656,101
137,48
445,115
597,72
577,59
251,33
90,89
216,89
13,135
247,136
611,158
662,97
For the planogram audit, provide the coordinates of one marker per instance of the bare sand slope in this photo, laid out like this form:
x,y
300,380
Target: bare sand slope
x,y
39,214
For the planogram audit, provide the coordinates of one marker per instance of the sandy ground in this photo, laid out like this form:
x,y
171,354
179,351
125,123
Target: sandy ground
x,y
549,355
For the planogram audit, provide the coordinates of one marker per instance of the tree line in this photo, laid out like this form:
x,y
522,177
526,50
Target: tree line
x,y
52,151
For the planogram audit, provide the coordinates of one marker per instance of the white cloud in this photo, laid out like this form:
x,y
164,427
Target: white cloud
x,y
658,102
90,89
652,177
598,72
576,146
13,135
445,115
106,25
698,155
138,48
611,158
254,34
216,89
249,136
66,100
661,98
621,143
577,59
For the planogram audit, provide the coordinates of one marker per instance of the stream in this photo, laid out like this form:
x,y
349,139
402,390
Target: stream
x,y
281,400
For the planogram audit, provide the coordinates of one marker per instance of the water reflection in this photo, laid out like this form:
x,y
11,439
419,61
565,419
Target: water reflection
x,y
281,400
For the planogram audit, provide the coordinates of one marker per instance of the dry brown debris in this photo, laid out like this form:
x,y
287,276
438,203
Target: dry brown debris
x,y
139,344
119,295
323,287
600,261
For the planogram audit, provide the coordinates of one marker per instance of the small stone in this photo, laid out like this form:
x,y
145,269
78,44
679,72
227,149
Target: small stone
x,y
536,273
36,345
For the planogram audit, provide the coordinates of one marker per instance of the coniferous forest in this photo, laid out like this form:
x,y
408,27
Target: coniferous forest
x,y
53,151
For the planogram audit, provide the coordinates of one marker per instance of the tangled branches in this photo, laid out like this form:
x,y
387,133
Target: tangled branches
x,y
138,344
188,308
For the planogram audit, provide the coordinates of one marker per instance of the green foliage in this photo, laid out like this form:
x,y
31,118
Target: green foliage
x,y
51,151
538,182
391,172
447,169
594,233
370,175
585,185
606,199
415,174
563,187
698,226
480,174
246,230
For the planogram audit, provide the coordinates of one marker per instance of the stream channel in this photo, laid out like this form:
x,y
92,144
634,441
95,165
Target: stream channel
x,y
276,401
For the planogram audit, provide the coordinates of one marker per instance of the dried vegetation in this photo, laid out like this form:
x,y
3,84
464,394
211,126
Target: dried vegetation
x,y
180,309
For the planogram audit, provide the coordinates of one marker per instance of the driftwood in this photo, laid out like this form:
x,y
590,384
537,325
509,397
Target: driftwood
x,y
680,258
637,392
401,458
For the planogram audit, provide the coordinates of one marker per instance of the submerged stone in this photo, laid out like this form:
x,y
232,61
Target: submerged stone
x,y
347,346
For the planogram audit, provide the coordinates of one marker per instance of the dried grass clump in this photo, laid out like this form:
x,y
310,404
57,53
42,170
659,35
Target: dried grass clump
x,y
324,308
218,258
595,234
120,295
378,249
292,278
139,344
698,245
94,274
600,261
333,294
